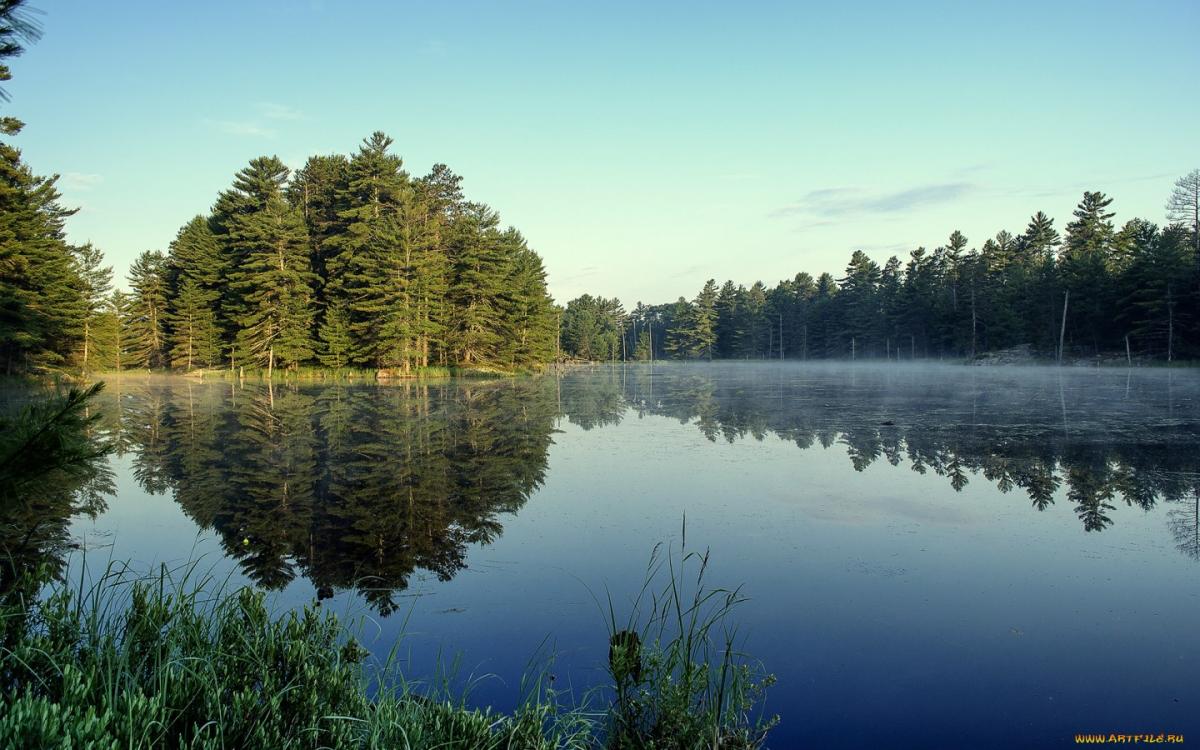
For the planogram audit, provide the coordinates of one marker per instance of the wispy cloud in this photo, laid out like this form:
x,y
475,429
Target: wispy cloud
x,y
686,271
80,181
242,127
276,111
845,201
891,248
583,274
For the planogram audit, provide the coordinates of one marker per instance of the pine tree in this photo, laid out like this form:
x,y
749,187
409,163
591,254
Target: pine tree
x,y
530,325
728,333
372,268
336,341
317,191
678,342
274,285
194,336
859,304
253,187
146,316
195,271
479,267
41,295
1042,294
1084,263
1157,279
112,345
703,333
96,285
695,334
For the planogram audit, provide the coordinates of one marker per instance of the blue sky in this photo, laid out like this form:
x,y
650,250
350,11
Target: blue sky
x,y
641,147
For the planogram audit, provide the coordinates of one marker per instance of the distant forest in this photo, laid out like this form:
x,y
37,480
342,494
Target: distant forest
x,y
349,262
1095,289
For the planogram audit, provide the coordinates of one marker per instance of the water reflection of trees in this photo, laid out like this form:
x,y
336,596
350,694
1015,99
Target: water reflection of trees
x,y
1106,449
363,486
346,486
35,538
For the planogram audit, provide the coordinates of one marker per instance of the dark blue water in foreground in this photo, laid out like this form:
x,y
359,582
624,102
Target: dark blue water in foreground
x,y
939,557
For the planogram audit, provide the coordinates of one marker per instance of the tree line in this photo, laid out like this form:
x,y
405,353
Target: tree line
x,y
349,262
1093,289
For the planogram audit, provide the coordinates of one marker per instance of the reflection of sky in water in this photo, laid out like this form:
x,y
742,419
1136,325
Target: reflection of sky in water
x,y
893,609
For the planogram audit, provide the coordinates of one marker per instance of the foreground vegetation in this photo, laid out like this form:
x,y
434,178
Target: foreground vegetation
x,y
166,663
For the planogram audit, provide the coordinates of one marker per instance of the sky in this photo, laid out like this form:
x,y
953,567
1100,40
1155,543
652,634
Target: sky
x,y
641,148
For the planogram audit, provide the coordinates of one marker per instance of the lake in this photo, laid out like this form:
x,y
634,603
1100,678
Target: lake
x,y
936,556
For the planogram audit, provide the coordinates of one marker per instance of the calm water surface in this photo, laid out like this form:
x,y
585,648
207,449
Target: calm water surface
x,y
936,557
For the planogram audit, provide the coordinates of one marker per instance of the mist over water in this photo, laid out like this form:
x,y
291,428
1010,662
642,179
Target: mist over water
x,y
965,556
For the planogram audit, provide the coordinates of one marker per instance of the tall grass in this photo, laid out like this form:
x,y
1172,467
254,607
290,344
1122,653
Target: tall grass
x,y
179,660
679,677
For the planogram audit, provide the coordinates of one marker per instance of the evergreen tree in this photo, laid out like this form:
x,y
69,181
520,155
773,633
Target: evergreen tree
x,y
591,328
1042,296
530,322
479,266
42,303
96,285
727,332
1156,278
252,188
373,266
318,190
694,335
112,344
1084,262
274,285
194,335
195,270
858,299
146,316
334,333
678,339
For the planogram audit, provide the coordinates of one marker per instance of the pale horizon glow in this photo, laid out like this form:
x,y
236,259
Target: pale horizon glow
x,y
641,149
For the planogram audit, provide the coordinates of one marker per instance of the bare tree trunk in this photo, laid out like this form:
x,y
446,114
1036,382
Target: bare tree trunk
x,y
853,353
781,335
1062,331
1128,355
1170,325
973,322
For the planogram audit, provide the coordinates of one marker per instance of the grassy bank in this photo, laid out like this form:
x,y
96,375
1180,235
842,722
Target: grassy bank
x,y
173,661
